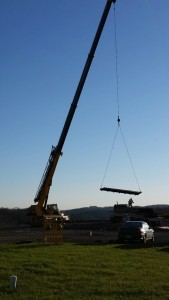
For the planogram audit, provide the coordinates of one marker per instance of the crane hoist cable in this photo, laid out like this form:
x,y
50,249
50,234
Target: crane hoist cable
x,y
119,129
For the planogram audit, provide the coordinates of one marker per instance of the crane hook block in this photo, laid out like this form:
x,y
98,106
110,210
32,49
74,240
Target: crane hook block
x,y
120,191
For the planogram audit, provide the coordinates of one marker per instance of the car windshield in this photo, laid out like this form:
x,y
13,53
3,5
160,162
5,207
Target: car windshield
x,y
132,224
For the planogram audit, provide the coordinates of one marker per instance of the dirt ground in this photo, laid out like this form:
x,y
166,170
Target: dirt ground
x,y
28,235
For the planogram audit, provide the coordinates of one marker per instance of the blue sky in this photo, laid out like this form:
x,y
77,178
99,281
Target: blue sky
x,y
43,49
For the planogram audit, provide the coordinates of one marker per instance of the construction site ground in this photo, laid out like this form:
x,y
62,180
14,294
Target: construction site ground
x,y
77,236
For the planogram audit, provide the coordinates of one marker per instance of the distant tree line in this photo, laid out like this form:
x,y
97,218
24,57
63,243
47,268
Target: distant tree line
x,y
20,217
13,217
89,213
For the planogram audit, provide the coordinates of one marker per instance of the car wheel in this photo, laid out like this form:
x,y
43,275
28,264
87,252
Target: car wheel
x,y
152,238
144,240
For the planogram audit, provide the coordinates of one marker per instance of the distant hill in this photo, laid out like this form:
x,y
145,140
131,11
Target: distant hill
x,y
89,213
104,213
19,217
13,217
160,208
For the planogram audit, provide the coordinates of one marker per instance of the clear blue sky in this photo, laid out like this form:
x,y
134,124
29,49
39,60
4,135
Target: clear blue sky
x,y
43,48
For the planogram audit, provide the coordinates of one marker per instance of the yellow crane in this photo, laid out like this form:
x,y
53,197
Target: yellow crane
x,y
41,208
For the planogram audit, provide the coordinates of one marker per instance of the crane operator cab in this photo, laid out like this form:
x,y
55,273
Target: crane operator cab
x,y
52,209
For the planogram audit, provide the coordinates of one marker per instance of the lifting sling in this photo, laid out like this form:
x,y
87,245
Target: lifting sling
x,y
108,189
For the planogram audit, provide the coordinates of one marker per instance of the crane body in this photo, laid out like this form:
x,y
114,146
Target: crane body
x,y
41,208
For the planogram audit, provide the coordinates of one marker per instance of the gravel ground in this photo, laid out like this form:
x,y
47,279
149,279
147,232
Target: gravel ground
x,y
27,235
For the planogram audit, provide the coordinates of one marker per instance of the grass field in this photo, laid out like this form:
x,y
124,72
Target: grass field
x,y
92,272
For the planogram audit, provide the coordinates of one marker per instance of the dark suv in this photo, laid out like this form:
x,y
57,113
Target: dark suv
x,y
135,231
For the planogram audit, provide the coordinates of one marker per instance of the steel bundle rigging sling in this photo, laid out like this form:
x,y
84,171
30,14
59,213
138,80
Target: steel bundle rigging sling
x,y
117,190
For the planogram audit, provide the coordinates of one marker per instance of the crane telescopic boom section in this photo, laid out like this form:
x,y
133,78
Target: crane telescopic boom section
x,y
46,181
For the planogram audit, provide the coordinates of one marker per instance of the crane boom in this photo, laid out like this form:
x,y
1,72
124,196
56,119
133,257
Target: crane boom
x,y
46,181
